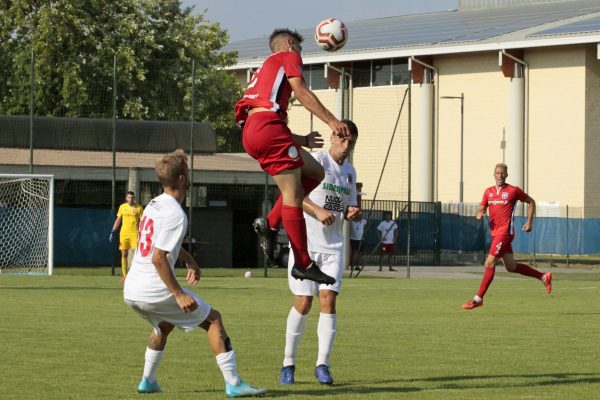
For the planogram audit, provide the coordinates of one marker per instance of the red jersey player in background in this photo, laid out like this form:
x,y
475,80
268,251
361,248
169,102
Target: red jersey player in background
x,y
262,114
500,201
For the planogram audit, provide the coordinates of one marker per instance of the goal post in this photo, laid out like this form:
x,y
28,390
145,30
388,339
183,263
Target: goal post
x,y
26,223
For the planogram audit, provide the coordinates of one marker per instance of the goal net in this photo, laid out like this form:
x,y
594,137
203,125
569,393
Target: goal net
x,y
26,223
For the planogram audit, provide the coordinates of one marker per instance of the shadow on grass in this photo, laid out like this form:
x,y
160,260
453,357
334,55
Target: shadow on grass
x,y
443,383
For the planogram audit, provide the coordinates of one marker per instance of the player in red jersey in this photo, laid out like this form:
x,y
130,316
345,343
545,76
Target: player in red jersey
x,y
500,201
266,137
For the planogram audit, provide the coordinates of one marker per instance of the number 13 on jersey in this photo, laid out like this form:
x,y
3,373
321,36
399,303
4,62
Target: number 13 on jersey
x,y
145,233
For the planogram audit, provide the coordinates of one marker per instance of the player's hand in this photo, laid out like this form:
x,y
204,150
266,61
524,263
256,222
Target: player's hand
x,y
327,218
111,236
193,273
339,128
186,302
479,215
352,213
527,227
315,140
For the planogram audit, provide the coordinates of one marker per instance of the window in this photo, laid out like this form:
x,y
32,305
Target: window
x,y
361,74
400,73
382,72
316,78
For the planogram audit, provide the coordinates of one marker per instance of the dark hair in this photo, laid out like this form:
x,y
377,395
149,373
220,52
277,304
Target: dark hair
x,y
352,127
130,193
284,31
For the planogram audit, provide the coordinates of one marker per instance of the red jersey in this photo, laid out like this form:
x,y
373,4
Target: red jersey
x,y
269,87
500,203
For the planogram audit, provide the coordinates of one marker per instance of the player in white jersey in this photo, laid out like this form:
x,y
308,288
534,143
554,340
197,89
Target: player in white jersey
x,y
324,210
153,292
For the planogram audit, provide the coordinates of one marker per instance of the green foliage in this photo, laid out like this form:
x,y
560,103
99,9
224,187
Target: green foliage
x,y
72,337
74,43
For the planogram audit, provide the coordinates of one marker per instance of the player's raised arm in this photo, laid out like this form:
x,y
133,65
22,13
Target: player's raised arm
x,y
312,103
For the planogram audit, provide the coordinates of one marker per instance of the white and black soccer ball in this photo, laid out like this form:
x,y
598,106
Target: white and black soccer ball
x,y
248,274
331,34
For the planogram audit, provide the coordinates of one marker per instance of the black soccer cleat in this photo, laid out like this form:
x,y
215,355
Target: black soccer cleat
x,y
312,273
266,238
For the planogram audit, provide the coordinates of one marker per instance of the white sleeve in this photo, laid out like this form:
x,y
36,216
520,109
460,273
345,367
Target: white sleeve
x,y
380,227
171,231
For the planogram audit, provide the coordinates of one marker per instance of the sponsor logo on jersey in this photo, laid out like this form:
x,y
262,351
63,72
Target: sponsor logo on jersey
x,y
293,152
334,203
335,188
498,202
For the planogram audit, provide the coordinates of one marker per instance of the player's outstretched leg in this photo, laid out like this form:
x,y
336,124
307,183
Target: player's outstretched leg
x,y
220,345
547,281
486,281
154,354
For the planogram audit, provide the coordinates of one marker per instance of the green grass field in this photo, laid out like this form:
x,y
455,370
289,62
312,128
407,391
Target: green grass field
x,y
70,336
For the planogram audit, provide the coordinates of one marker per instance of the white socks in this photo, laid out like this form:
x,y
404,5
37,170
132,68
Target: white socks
x,y
296,323
326,334
477,299
228,366
152,358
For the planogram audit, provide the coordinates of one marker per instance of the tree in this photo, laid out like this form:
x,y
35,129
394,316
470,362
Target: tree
x,y
74,43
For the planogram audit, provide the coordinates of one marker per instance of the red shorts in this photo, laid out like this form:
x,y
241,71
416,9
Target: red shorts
x,y
267,139
387,248
501,245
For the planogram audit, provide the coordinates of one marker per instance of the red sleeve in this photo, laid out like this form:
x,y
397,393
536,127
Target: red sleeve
x,y
520,194
484,200
292,65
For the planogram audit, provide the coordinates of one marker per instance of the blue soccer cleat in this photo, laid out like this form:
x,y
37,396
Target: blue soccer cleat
x,y
243,390
287,375
323,375
146,387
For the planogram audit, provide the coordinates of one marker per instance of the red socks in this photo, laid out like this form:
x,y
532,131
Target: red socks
x,y
526,270
488,277
295,226
274,217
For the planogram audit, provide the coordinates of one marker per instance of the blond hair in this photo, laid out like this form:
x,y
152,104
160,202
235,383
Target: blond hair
x,y
501,165
170,167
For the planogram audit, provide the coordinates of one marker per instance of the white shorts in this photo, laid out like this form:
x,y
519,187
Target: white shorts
x,y
168,311
331,264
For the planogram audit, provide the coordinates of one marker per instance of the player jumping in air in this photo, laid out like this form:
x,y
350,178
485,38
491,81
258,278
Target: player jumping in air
x,y
266,137
153,292
500,202
325,209
129,215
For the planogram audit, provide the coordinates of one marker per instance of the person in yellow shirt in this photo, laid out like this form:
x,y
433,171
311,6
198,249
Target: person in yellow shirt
x,y
128,216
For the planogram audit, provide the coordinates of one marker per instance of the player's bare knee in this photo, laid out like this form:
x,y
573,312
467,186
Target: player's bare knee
x,y
303,304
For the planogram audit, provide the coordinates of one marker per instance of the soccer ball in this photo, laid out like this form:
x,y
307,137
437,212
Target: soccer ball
x,y
248,274
331,34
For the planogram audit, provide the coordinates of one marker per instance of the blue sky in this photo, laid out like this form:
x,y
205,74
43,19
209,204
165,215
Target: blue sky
x,y
251,19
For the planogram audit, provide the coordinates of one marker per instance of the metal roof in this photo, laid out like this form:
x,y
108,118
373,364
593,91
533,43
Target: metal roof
x,y
441,32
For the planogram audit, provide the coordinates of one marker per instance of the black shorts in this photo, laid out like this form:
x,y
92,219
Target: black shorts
x,y
355,244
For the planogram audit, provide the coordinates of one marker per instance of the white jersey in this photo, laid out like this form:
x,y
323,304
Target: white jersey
x,y
387,229
163,227
357,229
335,193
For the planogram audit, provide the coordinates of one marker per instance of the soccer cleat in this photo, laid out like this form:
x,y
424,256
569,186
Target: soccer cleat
x,y
312,273
266,238
323,375
548,282
287,375
472,304
146,387
243,390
